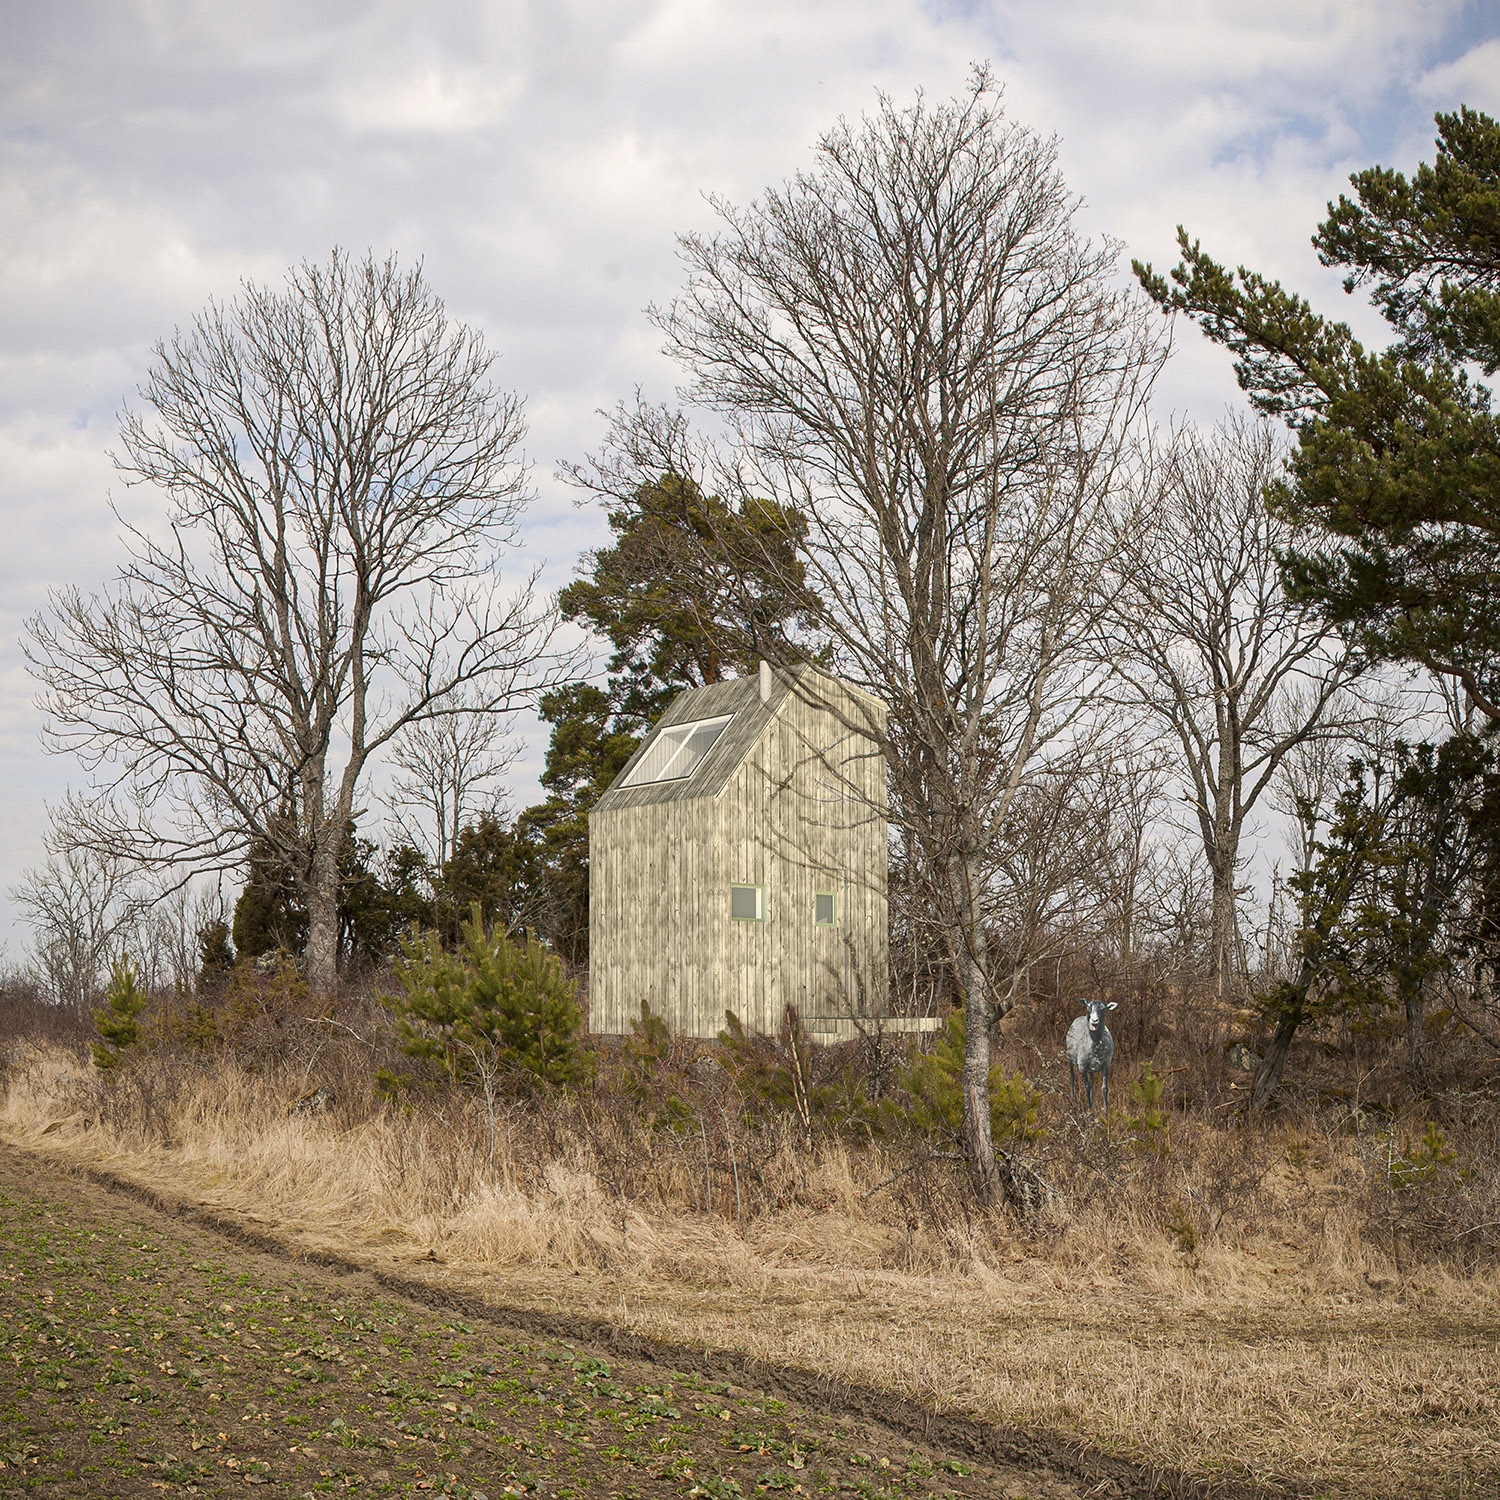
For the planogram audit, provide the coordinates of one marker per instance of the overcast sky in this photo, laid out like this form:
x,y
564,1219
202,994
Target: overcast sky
x,y
540,157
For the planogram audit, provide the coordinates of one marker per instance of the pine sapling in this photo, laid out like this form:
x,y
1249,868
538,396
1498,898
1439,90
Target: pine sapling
x,y
117,1019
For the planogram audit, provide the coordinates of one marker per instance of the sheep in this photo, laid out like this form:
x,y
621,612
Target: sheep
x,y
1090,1049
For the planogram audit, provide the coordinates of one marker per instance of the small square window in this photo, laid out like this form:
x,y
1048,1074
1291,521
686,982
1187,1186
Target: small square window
x,y
745,903
825,909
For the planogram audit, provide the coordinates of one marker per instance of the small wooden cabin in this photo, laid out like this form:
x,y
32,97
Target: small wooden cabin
x,y
738,862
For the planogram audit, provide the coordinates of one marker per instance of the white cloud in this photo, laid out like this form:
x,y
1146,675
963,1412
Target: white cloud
x,y
541,155
427,99
1472,79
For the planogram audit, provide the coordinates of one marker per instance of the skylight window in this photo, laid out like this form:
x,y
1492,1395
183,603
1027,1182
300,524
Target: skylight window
x,y
677,751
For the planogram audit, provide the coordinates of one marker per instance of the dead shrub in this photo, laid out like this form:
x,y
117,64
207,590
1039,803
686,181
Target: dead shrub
x,y
773,1148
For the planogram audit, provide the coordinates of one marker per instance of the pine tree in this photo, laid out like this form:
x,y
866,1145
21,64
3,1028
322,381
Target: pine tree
x,y
1398,457
692,591
495,1004
116,1020
934,1084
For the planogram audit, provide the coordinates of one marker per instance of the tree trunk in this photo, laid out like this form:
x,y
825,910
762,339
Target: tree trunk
x,y
1222,927
1412,997
1268,1079
323,917
978,1141
1222,846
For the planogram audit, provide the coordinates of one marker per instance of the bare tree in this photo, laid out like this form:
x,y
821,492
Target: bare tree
x,y
1133,858
1236,672
82,907
448,768
913,347
1069,866
342,477
167,936
1313,771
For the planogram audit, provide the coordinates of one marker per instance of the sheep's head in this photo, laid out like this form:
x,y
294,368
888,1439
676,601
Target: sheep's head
x,y
1098,1014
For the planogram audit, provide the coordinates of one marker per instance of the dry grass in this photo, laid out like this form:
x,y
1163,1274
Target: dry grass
x,y
1214,1304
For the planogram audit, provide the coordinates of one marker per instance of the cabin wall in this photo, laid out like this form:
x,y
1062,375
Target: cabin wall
x,y
803,813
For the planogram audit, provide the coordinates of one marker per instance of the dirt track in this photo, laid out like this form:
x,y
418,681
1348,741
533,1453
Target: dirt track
x,y
148,1347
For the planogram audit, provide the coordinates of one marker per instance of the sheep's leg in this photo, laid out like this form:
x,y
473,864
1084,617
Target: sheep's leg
x,y
1088,1088
1072,1082
1105,1077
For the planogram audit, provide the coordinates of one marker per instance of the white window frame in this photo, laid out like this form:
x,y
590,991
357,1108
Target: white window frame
x,y
833,896
681,733
760,901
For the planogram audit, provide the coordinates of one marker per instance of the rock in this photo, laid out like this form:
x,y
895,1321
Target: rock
x,y
1241,1058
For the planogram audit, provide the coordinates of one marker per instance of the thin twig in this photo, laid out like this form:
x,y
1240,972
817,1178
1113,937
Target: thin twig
x,y
329,1021
1475,1228
912,1167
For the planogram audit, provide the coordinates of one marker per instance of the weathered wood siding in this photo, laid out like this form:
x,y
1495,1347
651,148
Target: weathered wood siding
x,y
796,808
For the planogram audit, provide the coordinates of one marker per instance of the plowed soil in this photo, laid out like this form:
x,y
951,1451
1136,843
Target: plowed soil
x,y
144,1352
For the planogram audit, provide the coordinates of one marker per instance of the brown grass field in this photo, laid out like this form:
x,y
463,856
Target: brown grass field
x,y
1259,1338
149,1351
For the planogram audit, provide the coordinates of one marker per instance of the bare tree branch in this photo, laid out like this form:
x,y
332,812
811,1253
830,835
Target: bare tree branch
x,y
343,477
913,348
448,769
1237,674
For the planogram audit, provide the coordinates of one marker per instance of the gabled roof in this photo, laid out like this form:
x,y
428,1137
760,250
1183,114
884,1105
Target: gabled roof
x,y
741,697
